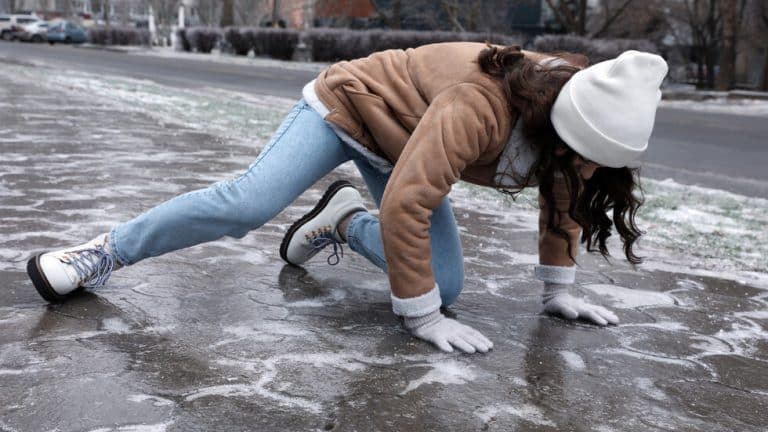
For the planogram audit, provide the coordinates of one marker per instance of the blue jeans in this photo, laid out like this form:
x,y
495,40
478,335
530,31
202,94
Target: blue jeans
x,y
308,148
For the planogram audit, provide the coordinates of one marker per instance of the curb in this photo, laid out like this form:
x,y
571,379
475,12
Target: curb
x,y
113,48
703,95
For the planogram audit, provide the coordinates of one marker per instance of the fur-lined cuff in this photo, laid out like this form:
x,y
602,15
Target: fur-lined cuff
x,y
417,306
555,274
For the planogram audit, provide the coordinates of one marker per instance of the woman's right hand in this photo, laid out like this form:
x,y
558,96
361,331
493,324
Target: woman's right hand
x,y
447,333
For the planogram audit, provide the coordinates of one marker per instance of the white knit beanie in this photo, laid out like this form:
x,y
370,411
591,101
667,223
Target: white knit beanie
x,y
606,112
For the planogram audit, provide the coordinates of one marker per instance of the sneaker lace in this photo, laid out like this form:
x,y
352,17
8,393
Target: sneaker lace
x,y
319,240
93,266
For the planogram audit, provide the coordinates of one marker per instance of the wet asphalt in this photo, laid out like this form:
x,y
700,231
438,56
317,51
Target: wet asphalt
x,y
225,337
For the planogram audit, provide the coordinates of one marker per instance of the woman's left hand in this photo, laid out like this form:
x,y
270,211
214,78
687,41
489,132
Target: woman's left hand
x,y
570,307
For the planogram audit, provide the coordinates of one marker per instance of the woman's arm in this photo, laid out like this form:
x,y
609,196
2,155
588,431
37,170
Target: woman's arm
x,y
557,268
457,128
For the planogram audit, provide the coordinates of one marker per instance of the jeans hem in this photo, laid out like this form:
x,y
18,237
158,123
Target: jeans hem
x,y
113,247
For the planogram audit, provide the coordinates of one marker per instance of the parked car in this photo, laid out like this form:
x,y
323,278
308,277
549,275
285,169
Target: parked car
x,y
33,32
66,32
5,26
11,25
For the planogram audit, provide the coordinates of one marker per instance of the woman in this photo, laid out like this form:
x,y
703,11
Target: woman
x,y
415,122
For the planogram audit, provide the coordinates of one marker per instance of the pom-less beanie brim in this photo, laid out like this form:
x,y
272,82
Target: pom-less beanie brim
x,y
606,112
585,139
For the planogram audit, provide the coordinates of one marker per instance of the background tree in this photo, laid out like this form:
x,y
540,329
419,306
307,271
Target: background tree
x,y
391,15
227,13
581,18
105,10
761,31
705,26
726,76
637,20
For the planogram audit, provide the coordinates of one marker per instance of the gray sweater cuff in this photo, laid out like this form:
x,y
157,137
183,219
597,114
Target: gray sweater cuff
x,y
555,274
417,306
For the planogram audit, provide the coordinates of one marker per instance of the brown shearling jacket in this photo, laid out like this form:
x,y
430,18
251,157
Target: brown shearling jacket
x,y
438,118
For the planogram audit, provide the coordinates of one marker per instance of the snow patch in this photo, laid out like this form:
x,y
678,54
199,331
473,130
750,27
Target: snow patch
x,y
573,360
159,427
647,386
625,298
526,412
156,400
443,372
646,356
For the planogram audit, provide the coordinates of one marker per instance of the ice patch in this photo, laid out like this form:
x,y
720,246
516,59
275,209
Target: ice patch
x,y
625,298
646,356
742,335
443,372
334,297
265,331
691,284
710,345
526,412
672,326
159,427
6,427
156,400
22,371
648,388
115,325
573,360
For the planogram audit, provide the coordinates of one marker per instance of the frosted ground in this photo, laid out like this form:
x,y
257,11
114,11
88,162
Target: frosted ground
x,y
224,337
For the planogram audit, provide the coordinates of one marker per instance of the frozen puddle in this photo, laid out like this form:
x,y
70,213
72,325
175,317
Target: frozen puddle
x,y
273,382
625,298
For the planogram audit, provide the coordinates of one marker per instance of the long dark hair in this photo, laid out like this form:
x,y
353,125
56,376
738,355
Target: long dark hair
x,y
531,89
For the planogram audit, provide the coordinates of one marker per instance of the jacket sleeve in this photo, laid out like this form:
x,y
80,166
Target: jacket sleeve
x,y
555,265
455,130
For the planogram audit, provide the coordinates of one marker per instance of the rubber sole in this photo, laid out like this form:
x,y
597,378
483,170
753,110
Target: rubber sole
x,y
332,189
42,285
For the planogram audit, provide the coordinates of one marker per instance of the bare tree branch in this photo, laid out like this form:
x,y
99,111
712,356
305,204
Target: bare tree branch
x,y
611,18
559,16
452,9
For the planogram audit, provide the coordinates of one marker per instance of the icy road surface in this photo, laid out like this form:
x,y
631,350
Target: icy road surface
x,y
224,337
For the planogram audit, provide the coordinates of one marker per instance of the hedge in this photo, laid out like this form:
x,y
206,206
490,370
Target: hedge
x,y
240,40
596,49
329,45
109,35
203,39
274,42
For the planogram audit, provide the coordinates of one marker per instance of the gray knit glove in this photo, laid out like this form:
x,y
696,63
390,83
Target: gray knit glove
x,y
558,301
447,333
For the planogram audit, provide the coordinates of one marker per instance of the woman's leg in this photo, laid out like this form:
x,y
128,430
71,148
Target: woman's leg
x,y
302,150
364,237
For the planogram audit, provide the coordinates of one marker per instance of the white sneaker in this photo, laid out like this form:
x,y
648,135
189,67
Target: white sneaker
x,y
318,228
57,274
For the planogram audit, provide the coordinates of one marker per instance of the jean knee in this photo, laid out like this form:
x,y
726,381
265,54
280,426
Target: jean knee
x,y
236,210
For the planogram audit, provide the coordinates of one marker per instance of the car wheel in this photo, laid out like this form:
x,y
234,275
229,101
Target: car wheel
x,y
67,39
7,36
37,38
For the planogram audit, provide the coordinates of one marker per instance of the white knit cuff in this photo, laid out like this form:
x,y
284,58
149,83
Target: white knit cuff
x,y
417,306
555,274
